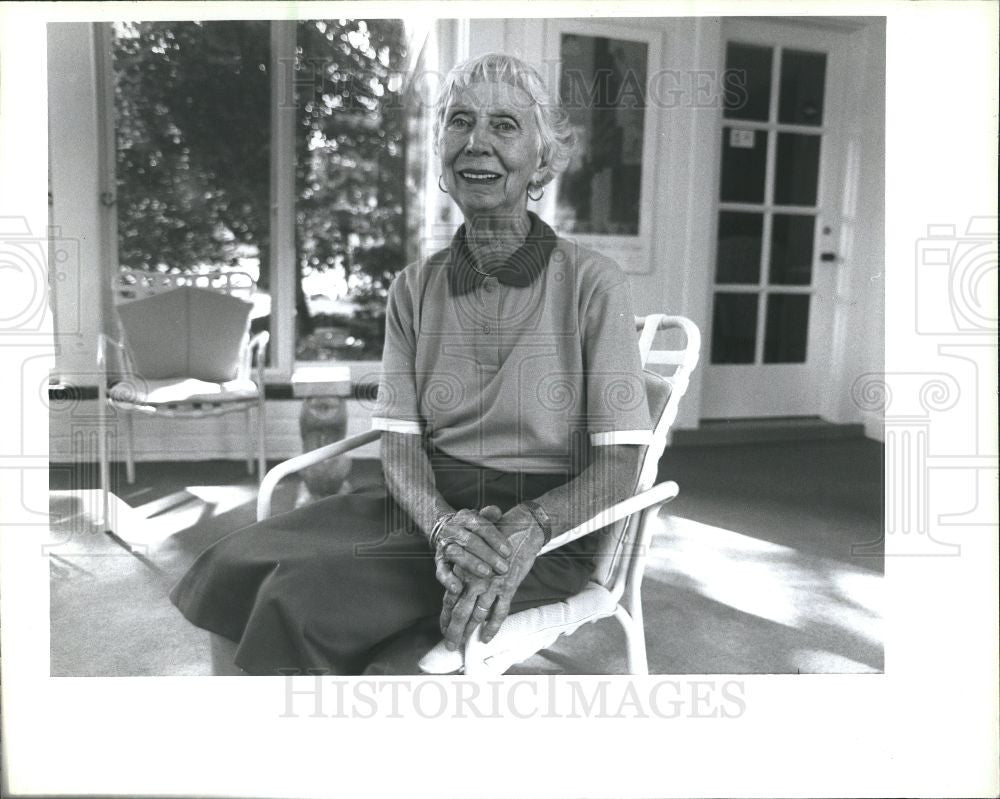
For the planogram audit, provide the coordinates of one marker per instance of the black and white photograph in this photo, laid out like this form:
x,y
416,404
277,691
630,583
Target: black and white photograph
x,y
466,368
304,216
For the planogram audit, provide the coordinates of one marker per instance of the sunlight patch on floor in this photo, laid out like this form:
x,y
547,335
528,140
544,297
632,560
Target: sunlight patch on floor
x,y
815,661
224,498
155,521
767,580
191,505
731,568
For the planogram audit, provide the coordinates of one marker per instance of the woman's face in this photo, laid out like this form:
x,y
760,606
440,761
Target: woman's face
x,y
489,149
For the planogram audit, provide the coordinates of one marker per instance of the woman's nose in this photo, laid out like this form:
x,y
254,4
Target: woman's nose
x,y
478,141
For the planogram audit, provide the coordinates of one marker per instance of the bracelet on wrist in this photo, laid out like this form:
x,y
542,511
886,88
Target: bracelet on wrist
x,y
435,533
541,518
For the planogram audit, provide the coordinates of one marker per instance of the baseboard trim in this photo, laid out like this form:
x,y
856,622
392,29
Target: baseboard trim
x,y
67,392
723,432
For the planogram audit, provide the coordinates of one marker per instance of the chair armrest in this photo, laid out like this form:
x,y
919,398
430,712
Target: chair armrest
x,y
662,492
252,359
306,459
257,344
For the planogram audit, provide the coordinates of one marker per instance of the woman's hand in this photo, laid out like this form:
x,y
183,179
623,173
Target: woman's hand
x,y
463,587
488,599
471,542
460,611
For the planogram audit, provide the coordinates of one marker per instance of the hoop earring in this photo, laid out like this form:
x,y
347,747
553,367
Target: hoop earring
x,y
440,186
541,193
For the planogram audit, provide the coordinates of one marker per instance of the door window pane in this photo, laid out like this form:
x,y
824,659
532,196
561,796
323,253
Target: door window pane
x,y
803,74
747,82
739,246
792,249
192,127
603,89
786,328
734,328
744,160
796,177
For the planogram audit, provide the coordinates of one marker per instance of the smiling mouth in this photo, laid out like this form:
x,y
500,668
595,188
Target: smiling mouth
x,y
479,176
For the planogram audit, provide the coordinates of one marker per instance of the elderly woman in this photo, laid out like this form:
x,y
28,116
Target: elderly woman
x,y
512,409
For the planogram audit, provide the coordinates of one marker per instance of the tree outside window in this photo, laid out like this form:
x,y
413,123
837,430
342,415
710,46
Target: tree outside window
x,y
192,102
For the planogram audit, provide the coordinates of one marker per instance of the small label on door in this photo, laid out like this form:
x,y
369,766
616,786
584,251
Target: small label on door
x,y
742,139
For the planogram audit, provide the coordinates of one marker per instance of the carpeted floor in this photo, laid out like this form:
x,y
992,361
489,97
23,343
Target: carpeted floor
x,y
769,561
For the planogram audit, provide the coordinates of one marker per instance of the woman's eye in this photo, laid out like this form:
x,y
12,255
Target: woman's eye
x,y
506,126
458,122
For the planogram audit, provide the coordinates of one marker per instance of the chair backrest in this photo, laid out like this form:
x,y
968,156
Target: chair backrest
x,y
663,394
181,326
135,284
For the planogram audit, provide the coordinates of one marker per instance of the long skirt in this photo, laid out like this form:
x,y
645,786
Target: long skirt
x,y
334,586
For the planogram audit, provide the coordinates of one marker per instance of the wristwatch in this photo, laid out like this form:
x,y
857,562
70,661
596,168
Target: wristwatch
x,y
544,522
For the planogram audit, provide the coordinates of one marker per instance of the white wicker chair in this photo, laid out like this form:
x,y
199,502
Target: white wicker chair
x,y
614,588
126,390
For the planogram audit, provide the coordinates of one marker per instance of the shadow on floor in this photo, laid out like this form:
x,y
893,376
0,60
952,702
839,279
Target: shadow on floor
x,y
755,570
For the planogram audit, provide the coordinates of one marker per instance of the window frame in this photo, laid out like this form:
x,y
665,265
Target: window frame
x,y
282,194
632,252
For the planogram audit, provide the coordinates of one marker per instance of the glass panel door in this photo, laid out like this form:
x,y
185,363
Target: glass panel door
x,y
784,148
768,196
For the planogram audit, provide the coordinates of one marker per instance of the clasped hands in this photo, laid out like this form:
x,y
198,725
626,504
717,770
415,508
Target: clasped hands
x,y
481,559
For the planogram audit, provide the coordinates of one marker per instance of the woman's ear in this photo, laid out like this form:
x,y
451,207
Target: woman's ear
x,y
540,176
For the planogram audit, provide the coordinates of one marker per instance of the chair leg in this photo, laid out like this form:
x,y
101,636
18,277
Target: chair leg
x,y
250,441
102,455
635,641
129,454
261,441
637,662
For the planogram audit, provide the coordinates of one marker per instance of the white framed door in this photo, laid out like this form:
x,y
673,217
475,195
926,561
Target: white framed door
x,y
601,69
782,160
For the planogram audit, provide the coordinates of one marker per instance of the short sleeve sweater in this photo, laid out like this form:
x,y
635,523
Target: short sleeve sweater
x,y
517,370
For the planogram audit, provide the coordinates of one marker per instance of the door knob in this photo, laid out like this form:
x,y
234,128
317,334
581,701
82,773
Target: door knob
x,y
828,257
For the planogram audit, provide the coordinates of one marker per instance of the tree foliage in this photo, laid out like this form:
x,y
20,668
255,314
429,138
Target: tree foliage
x,y
193,103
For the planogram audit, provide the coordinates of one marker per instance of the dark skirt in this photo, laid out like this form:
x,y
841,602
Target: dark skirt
x,y
346,584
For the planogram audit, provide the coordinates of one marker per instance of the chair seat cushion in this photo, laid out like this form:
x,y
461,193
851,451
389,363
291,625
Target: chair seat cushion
x,y
523,634
171,391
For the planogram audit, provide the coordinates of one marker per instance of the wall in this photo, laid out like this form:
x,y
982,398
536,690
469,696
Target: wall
x,y
219,438
76,212
862,288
